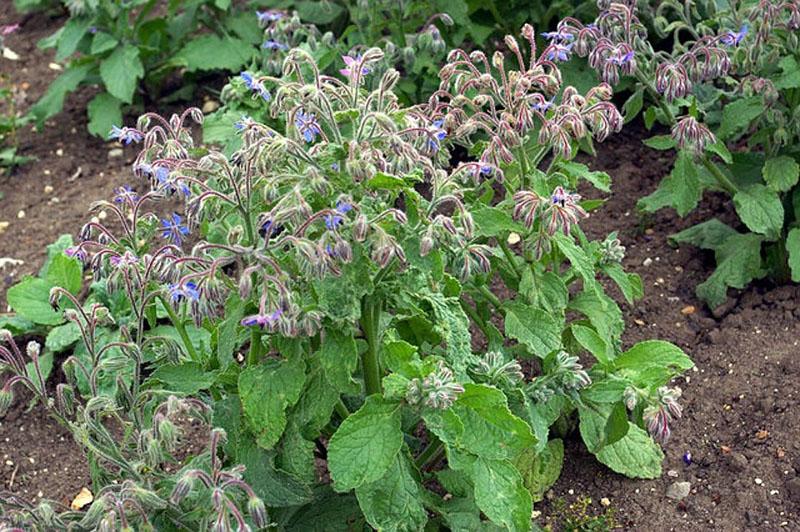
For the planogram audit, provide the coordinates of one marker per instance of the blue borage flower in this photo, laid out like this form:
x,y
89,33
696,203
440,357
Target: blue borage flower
x,y
271,15
125,135
255,85
734,38
272,44
560,36
351,66
332,221
173,229
543,105
558,52
438,134
262,320
243,123
307,125
619,58
124,261
171,185
188,291
125,194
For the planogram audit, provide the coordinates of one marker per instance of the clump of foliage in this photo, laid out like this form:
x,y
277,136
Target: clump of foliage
x,y
728,89
323,289
10,121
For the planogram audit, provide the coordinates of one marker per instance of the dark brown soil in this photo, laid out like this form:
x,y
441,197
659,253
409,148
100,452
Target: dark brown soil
x,y
738,422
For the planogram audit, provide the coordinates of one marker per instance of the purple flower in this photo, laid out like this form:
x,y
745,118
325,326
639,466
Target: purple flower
x,y
351,65
558,52
733,38
256,85
687,458
126,135
123,261
271,44
271,15
335,167
75,252
560,36
262,320
172,229
244,123
307,125
187,291
618,58
438,134
543,105
332,221
125,194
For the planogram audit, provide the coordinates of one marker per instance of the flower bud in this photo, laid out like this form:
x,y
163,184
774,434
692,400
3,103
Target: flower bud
x,y
33,349
257,511
182,488
360,228
6,399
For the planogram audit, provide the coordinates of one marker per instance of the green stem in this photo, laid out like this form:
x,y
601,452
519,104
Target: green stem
x,y
430,453
721,178
523,167
510,258
341,409
473,315
370,322
181,328
493,299
254,355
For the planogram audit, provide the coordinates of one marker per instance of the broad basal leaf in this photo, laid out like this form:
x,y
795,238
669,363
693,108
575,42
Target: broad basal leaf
x,y
365,446
540,470
121,72
781,173
500,493
536,329
394,502
760,209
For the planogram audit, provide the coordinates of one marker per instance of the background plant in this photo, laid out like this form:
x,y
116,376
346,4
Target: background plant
x,y
336,292
728,80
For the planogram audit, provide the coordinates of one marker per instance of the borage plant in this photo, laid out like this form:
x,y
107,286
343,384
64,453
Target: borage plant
x,y
337,259
730,79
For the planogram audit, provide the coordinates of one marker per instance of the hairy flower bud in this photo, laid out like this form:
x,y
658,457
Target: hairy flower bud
x,y
257,511
688,133
6,399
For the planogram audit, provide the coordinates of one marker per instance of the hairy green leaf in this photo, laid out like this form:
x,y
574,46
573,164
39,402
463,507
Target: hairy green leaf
x,y
760,209
781,173
500,493
394,502
121,72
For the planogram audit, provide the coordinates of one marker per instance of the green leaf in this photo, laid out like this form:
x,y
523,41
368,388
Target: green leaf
x,y
546,289
603,313
653,353
494,222
592,342
121,71
65,272
685,184
53,250
581,262
316,13
636,455
500,494
339,357
104,111
452,325
536,329
266,391
103,42
210,52
31,299
660,142
383,181
490,429
330,512
275,487
617,424
738,263
61,337
793,247
541,470
738,114
600,180
53,100
629,283
187,378
71,35
781,173
633,105
790,78
760,209
365,446
710,234
721,149
394,502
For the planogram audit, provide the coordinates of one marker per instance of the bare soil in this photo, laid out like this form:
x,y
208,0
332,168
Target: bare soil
x,y
739,421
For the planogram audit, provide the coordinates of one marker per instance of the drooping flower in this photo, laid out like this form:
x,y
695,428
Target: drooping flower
x,y
272,44
564,211
351,66
734,38
437,135
262,320
271,15
171,185
560,36
256,85
125,194
672,80
243,123
307,125
173,229
189,291
332,221
126,135
688,133
558,52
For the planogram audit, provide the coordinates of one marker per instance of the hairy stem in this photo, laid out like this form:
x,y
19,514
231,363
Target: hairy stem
x,y
181,328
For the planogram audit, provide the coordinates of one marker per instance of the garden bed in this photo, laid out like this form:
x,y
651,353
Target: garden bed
x,y
738,423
